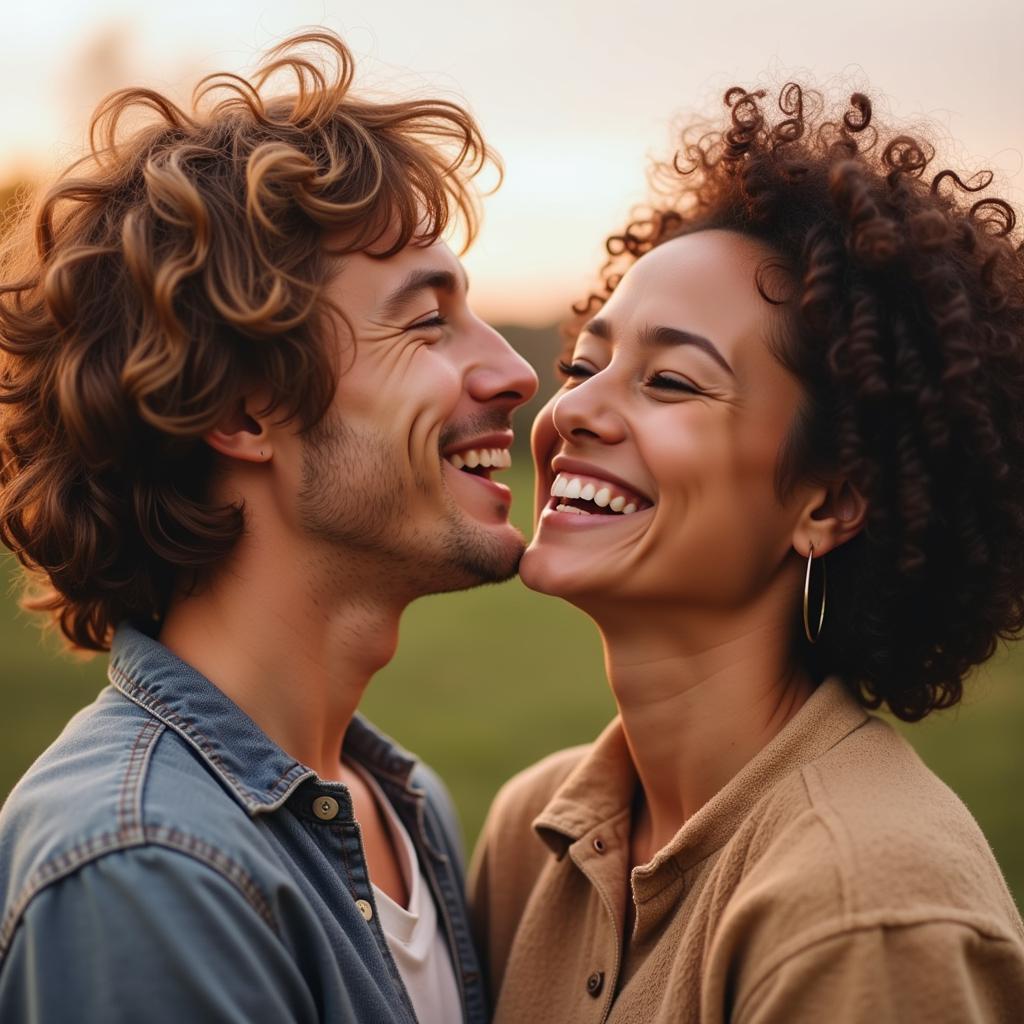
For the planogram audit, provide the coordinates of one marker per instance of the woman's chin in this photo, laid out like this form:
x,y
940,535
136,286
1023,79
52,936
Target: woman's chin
x,y
550,572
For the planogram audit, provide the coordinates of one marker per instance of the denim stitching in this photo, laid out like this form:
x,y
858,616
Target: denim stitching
x,y
283,782
109,842
129,817
339,831
148,700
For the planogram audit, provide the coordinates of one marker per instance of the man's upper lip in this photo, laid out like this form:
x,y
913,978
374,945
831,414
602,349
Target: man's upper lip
x,y
566,464
495,439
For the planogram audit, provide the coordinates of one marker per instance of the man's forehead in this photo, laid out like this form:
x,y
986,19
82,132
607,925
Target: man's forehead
x,y
379,286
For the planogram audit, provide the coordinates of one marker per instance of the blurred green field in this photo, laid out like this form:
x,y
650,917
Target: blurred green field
x,y
487,681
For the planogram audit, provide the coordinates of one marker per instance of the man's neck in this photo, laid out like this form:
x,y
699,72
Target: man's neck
x,y
696,711
293,640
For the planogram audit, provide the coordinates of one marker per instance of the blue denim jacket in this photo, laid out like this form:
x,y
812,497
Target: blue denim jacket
x,y
165,861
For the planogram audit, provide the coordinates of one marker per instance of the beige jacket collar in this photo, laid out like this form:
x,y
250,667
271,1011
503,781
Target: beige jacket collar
x,y
598,793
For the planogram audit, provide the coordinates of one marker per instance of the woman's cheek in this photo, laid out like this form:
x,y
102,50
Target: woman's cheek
x,y
544,443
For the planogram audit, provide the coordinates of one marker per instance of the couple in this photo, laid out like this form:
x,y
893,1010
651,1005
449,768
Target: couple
x,y
248,416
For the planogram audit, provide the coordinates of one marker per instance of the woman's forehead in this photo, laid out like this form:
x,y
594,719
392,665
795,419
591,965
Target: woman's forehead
x,y
726,259
704,282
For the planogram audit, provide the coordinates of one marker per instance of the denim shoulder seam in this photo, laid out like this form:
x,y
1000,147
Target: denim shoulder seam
x,y
152,703
129,802
106,843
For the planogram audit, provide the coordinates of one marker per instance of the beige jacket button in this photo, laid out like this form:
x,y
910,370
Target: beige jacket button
x,y
365,909
595,983
325,808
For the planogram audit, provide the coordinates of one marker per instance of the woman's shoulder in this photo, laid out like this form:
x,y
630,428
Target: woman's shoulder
x,y
853,878
883,833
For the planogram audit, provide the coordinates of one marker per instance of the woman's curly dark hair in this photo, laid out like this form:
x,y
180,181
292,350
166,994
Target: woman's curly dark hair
x,y
904,289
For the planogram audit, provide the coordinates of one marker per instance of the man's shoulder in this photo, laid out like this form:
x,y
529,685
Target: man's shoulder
x,y
116,779
114,771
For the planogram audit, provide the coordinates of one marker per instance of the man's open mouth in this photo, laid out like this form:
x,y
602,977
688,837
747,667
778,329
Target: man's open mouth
x,y
576,494
480,461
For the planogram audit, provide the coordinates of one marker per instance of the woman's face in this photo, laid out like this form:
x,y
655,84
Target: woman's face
x,y
670,424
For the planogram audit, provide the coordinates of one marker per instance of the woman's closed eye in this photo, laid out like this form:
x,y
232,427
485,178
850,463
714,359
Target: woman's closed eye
x,y
575,370
673,382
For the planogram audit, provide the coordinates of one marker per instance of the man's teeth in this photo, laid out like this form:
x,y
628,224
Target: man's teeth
x,y
492,458
603,496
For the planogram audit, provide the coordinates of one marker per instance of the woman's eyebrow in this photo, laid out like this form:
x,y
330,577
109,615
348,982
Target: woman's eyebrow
x,y
666,337
661,337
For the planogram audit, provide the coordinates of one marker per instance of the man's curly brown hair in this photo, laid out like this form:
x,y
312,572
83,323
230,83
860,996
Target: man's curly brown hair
x,y
904,294
184,261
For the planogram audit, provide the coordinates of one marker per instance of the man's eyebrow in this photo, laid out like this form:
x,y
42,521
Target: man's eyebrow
x,y
416,282
662,337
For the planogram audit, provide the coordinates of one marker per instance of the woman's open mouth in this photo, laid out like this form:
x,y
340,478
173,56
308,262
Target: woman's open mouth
x,y
580,495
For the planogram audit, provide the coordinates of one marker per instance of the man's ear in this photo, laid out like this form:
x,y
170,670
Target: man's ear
x,y
244,433
833,514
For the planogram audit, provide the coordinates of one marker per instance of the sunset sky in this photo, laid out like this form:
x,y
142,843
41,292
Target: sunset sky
x,y
574,95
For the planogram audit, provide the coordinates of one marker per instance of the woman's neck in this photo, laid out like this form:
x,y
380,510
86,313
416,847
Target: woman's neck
x,y
694,713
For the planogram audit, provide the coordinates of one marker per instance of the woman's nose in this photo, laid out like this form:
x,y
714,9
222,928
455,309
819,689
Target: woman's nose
x,y
586,412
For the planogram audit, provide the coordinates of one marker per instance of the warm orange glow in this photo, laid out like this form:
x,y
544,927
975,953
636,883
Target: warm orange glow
x,y
574,95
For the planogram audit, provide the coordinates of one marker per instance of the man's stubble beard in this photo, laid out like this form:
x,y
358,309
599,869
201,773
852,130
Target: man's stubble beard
x,y
345,499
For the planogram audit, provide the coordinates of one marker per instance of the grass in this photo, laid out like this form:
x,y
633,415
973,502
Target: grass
x,y
489,680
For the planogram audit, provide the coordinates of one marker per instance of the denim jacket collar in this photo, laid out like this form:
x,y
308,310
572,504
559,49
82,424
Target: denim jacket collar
x,y
257,772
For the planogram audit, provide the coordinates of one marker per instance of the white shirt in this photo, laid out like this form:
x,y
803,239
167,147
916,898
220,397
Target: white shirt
x,y
413,934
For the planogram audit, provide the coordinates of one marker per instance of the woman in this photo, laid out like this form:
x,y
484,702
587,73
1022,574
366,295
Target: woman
x,y
785,476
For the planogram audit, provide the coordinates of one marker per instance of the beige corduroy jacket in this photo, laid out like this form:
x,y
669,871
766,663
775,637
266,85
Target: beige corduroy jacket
x,y
835,879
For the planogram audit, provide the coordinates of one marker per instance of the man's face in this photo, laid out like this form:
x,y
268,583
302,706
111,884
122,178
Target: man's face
x,y
399,470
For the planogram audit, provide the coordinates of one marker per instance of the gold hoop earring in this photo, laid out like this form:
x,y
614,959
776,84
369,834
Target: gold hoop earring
x,y
807,598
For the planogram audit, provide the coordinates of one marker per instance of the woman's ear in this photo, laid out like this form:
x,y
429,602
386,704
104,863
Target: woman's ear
x,y
833,514
243,434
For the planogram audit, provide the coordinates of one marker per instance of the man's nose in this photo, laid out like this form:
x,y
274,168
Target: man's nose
x,y
500,372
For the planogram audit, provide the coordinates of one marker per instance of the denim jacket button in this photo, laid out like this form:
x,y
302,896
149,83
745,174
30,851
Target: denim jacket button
x,y
365,909
325,808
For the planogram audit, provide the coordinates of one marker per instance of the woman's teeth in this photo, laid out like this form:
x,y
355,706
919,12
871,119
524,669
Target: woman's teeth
x,y
603,495
490,458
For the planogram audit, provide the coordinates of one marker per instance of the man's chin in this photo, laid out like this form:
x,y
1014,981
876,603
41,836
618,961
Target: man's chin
x,y
479,555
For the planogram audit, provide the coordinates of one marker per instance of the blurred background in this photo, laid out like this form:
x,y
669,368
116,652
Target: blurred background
x,y
576,96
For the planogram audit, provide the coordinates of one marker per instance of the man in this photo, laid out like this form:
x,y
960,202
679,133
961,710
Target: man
x,y
247,417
